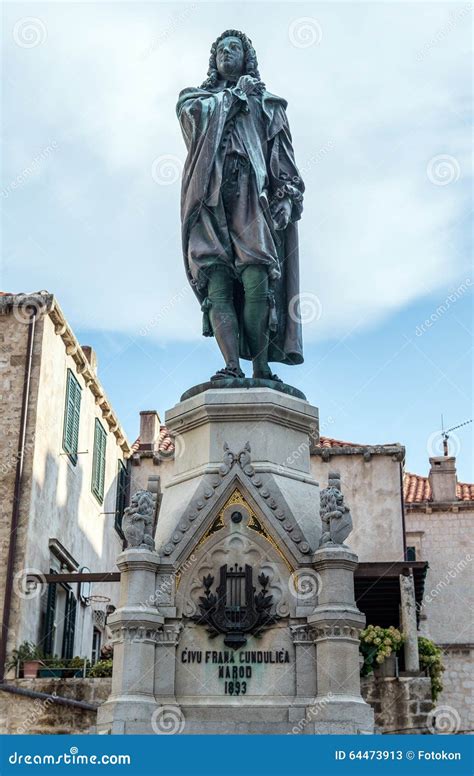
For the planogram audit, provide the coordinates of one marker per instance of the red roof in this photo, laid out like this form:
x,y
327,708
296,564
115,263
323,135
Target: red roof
x,y
329,442
417,489
165,443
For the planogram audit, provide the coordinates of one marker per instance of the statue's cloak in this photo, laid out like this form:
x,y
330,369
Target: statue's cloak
x,y
267,140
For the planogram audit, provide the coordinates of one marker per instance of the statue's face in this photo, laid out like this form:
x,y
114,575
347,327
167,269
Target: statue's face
x,y
230,57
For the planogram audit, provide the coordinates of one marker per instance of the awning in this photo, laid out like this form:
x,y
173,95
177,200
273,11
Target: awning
x,y
377,589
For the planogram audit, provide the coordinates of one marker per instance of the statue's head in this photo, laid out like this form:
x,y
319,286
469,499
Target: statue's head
x,y
232,55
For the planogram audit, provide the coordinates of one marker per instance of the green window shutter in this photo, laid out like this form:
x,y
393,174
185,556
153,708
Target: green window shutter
x,y
121,499
48,628
71,417
67,651
98,462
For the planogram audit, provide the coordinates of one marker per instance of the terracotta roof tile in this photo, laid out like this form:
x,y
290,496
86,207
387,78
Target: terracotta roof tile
x,y
165,443
417,489
329,442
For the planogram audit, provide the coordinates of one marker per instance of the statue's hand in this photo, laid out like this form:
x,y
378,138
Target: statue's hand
x,y
247,83
281,212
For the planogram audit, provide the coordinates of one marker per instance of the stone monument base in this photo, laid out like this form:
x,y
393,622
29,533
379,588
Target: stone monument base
x,y
239,622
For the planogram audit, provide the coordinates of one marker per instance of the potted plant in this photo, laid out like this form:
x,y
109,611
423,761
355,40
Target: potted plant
x,y
76,667
28,657
378,645
101,668
52,666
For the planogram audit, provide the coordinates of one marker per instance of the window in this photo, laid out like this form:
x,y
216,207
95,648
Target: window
x,y
411,553
98,461
121,500
96,644
59,624
71,417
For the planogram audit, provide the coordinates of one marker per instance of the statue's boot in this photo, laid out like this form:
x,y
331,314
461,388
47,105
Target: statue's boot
x,y
256,319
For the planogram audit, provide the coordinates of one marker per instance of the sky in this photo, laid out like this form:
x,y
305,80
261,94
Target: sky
x,y
379,98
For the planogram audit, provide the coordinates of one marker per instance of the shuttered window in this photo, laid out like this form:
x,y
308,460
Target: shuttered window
x,y
121,500
69,627
98,461
71,417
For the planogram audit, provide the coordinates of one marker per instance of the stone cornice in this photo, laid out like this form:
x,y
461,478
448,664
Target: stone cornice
x,y
397,452
46,303
427,507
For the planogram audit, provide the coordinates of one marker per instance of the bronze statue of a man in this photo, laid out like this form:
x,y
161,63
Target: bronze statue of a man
x,y
241,197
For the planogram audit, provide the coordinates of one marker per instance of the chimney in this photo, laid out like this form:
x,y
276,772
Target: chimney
x,y
149,430
91,356
443,478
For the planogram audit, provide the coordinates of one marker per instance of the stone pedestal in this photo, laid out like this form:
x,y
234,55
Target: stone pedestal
x,y
336,624
137,628
242,505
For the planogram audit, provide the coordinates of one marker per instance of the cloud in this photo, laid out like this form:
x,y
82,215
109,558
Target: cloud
x,y
370,104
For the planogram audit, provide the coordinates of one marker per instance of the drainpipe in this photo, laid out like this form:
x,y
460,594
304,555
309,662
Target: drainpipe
x,y
17,492
402,505
44,696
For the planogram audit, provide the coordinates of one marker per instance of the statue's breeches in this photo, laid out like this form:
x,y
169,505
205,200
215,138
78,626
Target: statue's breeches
x,y
237,232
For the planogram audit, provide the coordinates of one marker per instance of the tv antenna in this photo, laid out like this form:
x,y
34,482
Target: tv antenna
x,y
445,433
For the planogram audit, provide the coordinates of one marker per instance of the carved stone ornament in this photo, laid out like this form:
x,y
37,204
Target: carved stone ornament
x,y
235,610
335,515
138,520
209,487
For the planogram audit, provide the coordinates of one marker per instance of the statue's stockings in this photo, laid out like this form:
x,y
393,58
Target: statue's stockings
x,y
255,314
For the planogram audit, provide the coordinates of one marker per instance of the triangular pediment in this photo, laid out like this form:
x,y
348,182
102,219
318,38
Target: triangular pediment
x,y
268,514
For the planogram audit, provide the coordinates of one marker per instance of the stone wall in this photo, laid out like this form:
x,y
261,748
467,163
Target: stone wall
x,y
401,705
56,497
13,347
458,682
30,716
443,537
372,490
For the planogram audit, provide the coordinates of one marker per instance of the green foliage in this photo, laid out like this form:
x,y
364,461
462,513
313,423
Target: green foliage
x,y
101,668
78,662
25,652
431,660
376,644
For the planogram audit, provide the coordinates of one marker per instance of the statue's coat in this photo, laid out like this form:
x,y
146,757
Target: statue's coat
x,y
266,136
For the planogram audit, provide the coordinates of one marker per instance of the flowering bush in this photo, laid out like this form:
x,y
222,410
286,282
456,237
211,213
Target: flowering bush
x,y
376,644
430,658
101,668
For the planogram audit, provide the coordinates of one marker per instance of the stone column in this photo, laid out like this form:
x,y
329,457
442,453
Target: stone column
x,y
165,673
337,622
305,658
136,627
409,625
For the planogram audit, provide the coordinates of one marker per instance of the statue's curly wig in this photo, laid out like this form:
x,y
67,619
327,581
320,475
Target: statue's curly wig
x,y
250,60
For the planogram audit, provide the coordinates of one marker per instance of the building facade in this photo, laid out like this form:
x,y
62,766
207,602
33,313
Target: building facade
x,y
63,464
439,529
